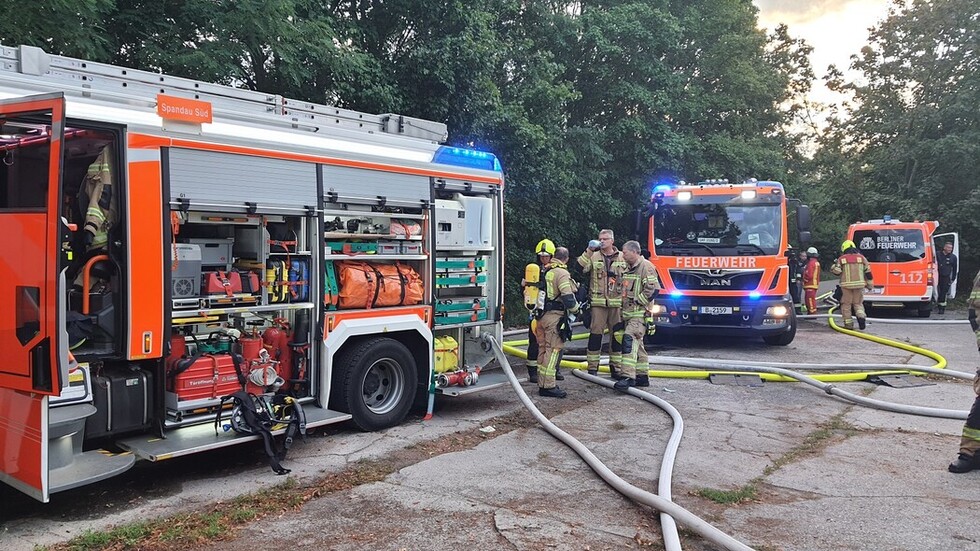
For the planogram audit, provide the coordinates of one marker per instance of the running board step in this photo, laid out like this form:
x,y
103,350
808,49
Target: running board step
x,y
197,438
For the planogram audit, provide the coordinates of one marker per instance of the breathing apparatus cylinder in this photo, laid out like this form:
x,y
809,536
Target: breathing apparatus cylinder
x,y
532,275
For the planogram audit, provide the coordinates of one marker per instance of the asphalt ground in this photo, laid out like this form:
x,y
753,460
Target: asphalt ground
x,y
824,474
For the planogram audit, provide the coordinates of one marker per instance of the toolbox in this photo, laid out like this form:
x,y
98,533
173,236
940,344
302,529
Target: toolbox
x,y
123,398
201,381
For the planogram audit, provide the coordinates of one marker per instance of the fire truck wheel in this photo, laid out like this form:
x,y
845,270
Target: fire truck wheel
x,y
375,383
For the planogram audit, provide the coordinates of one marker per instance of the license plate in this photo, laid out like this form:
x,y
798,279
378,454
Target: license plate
x,y
877,290
716,310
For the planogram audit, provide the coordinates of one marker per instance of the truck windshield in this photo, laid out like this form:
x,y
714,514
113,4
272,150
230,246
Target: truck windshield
x,y
716,228
890,245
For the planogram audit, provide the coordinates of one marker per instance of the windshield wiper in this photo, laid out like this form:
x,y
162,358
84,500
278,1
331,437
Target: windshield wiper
x,y
753,246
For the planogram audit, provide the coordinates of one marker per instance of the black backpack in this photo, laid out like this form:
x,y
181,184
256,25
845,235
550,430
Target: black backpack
x,y
262,414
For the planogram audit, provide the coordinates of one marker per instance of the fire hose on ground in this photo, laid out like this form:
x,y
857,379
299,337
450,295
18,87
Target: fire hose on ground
x,y
664,505
768,370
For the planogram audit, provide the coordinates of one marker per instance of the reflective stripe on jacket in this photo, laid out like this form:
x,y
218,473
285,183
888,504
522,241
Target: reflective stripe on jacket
x,y
639,284
853,270
811,274
975,294
558,283
604,291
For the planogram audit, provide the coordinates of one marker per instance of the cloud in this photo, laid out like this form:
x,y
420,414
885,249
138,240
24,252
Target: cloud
x,y
792,12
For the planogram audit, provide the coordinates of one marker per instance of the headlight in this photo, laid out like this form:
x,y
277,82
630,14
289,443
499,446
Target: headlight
x,y
777,311
658,309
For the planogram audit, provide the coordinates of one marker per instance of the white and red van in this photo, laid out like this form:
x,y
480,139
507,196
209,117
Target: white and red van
x,y
903,261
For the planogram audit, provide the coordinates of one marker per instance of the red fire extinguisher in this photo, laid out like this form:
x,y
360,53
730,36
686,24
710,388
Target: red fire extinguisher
x,y
275,339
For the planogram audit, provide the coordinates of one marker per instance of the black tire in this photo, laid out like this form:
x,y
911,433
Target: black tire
x,y
924,311
783,339
375,382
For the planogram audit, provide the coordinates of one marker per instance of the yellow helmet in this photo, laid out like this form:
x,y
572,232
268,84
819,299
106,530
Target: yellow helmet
x,y
847,244
545,246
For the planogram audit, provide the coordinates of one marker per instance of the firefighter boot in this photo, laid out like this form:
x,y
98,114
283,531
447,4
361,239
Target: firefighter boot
x,y
614,373
552,392
532,374
964,464
558,375
862,323
623,384
942,308
593,372
642,380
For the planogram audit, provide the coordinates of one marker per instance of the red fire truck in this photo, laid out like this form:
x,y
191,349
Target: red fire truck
x,y
719,250
182,240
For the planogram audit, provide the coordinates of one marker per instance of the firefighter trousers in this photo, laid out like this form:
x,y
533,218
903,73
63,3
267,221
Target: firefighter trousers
x,y
970,442
604,319
635,359
550,345
811,300
852,299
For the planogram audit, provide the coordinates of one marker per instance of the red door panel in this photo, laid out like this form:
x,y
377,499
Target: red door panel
x,y
31,137
31,285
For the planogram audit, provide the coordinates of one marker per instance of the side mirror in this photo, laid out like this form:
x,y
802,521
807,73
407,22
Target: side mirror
x,y
803,219
639,224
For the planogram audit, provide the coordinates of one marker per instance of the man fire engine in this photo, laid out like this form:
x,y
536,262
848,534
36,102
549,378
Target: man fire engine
x,y
244,241
719,249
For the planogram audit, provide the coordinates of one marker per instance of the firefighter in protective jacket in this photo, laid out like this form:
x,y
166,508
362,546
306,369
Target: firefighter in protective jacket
x,y
97,197
604,264
559,302
855,276
969,458
100,213
544,250
640,286
811,280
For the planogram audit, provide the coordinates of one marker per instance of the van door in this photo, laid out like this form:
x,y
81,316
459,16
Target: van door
x,y
32,287
898,258
938,241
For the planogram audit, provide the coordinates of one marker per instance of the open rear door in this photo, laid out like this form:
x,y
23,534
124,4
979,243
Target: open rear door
x,y
34,362
940,239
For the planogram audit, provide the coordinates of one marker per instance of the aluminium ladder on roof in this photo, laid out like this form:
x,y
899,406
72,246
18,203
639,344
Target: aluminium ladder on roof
x,y
33,66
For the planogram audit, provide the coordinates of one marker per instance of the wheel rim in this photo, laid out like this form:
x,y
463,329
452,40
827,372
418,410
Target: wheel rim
x,y
383,386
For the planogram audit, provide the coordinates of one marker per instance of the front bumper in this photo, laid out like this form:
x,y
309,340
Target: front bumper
x,y
724,316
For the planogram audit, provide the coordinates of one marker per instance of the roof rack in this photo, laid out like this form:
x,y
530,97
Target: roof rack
x,y
33,66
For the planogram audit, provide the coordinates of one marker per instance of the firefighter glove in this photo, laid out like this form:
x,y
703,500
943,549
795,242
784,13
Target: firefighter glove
x,y
565,329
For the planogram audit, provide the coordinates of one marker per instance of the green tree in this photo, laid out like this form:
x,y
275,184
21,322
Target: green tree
x,y
67,27
910,141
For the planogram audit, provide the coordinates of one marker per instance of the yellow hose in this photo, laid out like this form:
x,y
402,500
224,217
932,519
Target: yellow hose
x,y
510,348
940,360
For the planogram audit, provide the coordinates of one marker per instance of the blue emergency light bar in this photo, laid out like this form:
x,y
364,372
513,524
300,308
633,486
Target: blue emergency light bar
x,y
469,158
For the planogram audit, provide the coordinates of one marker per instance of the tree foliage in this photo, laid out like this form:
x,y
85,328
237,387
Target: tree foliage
x,y
588,103
909,144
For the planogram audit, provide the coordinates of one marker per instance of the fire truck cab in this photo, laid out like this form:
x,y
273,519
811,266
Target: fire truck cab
x,y
903,262
719,249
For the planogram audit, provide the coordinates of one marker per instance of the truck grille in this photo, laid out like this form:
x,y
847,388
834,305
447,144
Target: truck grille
x,y
717,280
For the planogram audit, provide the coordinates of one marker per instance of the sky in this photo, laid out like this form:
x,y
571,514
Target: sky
x,y
835,29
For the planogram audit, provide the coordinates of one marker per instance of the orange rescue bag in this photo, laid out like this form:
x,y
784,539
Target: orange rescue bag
x,y
369,284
